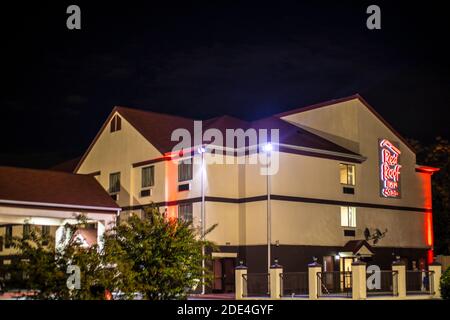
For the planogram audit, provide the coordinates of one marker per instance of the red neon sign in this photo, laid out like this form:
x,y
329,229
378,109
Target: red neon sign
x,y
389,169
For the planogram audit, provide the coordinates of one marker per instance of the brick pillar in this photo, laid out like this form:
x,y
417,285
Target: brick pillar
x,y
434,281
359,282
239,281
275,280
400,267
314,286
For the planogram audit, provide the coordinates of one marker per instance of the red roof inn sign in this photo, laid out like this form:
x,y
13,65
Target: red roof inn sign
x,y
389,169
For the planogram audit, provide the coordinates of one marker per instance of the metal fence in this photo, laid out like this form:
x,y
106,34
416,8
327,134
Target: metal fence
x,y
382,283
419,282
294,284
256,284
334,283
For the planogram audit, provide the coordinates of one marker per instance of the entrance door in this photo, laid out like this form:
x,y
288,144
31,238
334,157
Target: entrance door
x,y
223,270
346,266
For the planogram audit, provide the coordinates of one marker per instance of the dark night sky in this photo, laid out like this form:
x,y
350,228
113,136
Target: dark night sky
x,y
201,59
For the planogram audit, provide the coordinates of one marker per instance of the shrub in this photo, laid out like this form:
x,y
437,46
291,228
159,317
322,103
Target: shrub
x,y
445,284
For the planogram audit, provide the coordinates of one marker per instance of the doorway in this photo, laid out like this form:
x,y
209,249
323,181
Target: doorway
x,y
223,271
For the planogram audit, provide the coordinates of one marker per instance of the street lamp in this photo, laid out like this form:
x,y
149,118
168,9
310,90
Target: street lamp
x,y
201,150
267,148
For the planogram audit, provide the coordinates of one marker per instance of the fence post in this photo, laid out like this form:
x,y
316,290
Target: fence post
x,y
314,288
239,281
400,267
359,280
436,267
275,280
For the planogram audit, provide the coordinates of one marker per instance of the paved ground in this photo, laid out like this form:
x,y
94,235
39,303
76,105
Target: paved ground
x,y
212,296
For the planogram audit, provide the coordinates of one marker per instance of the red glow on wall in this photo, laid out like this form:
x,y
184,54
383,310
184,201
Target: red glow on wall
x,y
390,169
429,228
171,187
430,256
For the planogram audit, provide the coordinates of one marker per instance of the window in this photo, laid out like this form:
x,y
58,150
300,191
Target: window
x,y
185,170
45,231
185,212
1,243
45,235
347,173
116,123
26,231
348,217
114,182
148,177
8,236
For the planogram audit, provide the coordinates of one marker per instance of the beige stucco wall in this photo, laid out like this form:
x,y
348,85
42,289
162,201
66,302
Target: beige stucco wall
x,y
354,122
116,152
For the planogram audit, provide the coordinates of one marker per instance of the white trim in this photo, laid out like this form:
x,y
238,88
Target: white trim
x,y
255,147
224,254
48,204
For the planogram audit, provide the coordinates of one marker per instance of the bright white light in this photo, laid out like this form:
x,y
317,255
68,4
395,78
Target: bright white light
x,y
268,147
201,150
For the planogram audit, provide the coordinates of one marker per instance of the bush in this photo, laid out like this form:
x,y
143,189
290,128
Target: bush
x,y
445,284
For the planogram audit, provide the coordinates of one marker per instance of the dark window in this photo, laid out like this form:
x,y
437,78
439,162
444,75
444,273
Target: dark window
x,y
348,190
45,234
185,170
349,233
148,177
46,231
114,182
26,231
145,193
183,187
8,236
116,123
185,212
114,197
1,243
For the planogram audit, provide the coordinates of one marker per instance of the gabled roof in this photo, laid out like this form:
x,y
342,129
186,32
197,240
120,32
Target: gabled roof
x,y
355,245
157,128
66,166
53,189
295,136
337,101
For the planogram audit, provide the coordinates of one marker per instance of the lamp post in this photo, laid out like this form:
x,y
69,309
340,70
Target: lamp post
x,y
202,151
267,149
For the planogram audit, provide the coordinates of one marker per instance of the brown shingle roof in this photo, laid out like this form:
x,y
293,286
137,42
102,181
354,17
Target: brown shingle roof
x,y
66,166
52,187
157,128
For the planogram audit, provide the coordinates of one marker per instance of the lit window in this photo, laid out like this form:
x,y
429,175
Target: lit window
x,y
116,123
185,212
185,170
148,177
114,182
347,173
348,217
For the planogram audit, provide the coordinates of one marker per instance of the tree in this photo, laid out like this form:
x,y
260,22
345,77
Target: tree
x,y
437,155
42,269
445,284
157,257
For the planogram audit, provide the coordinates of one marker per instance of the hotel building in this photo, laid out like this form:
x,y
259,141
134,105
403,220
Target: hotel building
x,y
347,185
